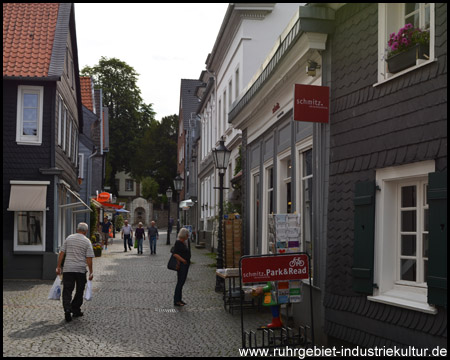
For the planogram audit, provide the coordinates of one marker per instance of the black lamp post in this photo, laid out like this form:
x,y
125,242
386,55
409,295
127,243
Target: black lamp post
x,y
169,200
221,157
178,185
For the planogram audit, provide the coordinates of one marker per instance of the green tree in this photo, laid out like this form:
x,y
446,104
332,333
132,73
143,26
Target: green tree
x,y
156,153
149,188
129,117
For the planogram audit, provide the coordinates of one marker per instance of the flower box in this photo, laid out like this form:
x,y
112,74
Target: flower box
x,y
98,252
407,58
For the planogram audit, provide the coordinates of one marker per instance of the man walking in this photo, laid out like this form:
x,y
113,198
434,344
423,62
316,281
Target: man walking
x,y
153,236
127,235
78,252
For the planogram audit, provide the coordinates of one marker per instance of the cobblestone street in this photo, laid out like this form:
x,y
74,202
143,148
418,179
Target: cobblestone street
x,y
131,313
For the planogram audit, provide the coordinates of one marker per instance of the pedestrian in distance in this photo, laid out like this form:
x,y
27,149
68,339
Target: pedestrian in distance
x,y
183,255
105,225
78,252
127,236
140,237
170,225
153,236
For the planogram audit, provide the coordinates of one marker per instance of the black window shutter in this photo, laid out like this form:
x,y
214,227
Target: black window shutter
x,y
363,251
437,248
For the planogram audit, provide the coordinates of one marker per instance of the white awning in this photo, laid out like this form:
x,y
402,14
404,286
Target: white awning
x,y
186,204
77,204
28,198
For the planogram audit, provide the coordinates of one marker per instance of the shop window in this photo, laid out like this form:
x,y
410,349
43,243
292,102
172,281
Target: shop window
x,y
285,191
255,226
306,194
29,228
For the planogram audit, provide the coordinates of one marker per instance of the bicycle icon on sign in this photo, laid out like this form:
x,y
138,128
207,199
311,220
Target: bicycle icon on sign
x,y
296,262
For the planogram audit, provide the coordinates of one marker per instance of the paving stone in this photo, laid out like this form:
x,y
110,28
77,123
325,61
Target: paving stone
x,y
131,313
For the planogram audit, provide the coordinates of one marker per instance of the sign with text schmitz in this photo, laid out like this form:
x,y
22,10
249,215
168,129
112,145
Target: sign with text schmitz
x,y
311,103
274,268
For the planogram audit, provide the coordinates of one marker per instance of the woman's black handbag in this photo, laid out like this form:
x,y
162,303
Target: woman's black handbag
x,y
173,263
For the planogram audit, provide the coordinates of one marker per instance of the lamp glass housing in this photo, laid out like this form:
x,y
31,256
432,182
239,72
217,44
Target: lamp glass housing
x,y
178,183
221,156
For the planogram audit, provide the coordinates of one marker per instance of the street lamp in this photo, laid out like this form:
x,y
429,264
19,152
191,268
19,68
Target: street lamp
x,y
169,200
221,157
178,185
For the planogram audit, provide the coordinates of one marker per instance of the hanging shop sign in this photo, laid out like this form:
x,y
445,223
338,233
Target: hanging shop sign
x,y
311,103
274,268
103,197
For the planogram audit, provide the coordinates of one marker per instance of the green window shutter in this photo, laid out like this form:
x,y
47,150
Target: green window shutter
x,y
437,248
363,251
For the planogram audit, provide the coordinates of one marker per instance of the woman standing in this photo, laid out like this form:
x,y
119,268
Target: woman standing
x,y
140,237
182,254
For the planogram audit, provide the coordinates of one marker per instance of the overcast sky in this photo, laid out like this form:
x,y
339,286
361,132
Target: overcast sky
x,y
164,43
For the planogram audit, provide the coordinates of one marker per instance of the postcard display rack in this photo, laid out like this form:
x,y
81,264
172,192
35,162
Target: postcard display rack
x,y
232,229
284,239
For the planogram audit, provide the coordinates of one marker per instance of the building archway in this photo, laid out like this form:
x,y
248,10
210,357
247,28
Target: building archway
x,y
139,216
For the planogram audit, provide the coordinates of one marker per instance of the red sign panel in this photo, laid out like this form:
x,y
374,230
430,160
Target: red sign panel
x,y
274,268
311,103
103,197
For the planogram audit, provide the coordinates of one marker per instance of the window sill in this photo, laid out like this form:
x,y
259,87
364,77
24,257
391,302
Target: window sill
x,y
401,73
29,252
28,143
404,300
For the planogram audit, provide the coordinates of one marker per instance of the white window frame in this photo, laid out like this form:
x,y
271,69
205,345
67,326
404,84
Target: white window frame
x,y
301,148
29,139
253,222
265,200
129,187
69,146
390,19
33,248
236,83
64,129
230,93
81,167
224,117
386,271
420,231
18,247
60,117
281,182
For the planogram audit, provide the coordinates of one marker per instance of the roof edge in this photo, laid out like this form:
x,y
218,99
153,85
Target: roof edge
x,y
59,42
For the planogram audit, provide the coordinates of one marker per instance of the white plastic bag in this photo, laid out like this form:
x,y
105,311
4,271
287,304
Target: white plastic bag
x,y
88,292
55,291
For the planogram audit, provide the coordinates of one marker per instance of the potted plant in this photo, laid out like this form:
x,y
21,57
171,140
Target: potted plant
x,y
408,45
96,246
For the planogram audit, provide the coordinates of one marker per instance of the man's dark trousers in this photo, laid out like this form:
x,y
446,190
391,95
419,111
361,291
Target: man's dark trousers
x,y
69,281
127,240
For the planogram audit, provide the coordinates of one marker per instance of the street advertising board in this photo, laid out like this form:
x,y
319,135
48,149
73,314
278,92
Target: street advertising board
x,y
282,268
274,268
311,103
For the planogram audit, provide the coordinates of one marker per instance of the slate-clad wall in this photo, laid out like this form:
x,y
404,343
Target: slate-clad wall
x,y
399,122
22,162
